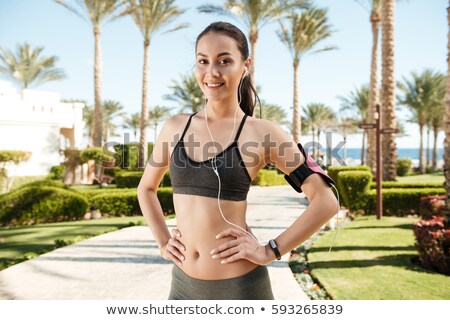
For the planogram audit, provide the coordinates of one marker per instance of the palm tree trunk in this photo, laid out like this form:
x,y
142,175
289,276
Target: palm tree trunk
x,y
447,129
421,153
154,137
296,120
434,159
144,108
97,136
363,148
428,147
373,92
388,90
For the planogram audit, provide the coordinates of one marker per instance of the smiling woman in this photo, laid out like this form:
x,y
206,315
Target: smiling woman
x,y
215,253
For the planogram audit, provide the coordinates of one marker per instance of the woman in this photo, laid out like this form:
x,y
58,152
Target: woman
x,y
215,254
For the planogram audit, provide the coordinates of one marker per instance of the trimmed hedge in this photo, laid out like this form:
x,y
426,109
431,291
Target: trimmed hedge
x,y
409,185
400,201
267,177
31,205
432,243
126,202
333,172
353,184
128,179
45,183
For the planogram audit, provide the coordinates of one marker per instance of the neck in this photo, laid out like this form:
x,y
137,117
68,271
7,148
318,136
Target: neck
x,y
219,110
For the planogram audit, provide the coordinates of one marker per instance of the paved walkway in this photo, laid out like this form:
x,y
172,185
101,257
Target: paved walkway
x,y
125,264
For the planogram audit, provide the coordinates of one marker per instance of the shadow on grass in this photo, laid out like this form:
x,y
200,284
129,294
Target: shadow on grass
x,y
400,260
365,248
406,226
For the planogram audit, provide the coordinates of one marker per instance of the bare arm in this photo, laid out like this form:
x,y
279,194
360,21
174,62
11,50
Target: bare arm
x,y
155,169
286,156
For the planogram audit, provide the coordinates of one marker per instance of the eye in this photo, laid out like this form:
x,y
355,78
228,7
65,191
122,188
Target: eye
x,y
225,61
201,61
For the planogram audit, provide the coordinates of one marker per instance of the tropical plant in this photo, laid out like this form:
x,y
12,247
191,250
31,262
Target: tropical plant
x,y
150,16
186,93
111,110
347,126
156,115
317,116
357,104
28,67
272,112
305,32
374,91
95,12
447,131
422,94
255,14
388,116
132,122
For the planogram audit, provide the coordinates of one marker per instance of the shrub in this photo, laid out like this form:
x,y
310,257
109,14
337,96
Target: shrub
x,y
126,202
433,244
32,205
333,172
400,201
406,185
431,206
353,187
128,179
166,182
45,183
56,173
267,177
404,166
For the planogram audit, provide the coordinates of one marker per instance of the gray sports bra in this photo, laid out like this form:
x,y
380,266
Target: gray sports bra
x,y
198,178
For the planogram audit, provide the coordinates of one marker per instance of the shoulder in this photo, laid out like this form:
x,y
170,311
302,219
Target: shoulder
x,y
174,125
279,146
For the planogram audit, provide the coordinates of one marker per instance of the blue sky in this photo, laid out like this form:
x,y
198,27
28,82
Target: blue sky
x,y
421,42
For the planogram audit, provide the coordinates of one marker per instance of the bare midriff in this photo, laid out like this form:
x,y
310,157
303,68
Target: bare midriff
x,y
199,221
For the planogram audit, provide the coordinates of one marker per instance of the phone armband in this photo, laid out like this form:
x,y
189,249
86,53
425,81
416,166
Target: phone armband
x,y
299,175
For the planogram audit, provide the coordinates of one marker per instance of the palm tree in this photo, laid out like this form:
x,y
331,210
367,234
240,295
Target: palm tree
x,y
28,67
316,115
158,114
187,93
420,95
436,119
375,19
95,12
347,126
111,110
150,16
272,112
132,122
447,129
388,118
305,32
357,103
255,14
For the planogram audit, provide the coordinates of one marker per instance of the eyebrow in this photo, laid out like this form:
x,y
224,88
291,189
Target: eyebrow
x,y
225,53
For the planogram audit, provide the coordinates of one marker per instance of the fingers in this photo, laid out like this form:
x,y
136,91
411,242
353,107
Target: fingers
x,y
229,232
175,248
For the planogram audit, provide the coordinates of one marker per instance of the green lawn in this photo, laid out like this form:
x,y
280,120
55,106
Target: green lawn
x,y
423,178
33,240
371,259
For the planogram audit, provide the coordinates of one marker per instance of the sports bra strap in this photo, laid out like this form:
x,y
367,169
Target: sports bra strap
x,y
240,127
187,125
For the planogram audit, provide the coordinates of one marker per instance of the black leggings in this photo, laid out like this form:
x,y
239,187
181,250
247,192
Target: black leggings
x,y
254,285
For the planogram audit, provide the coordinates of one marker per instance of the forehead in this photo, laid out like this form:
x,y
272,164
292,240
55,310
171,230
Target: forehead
x,y
213,43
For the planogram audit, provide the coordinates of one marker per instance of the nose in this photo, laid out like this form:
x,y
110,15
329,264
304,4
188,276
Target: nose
x,y
213,70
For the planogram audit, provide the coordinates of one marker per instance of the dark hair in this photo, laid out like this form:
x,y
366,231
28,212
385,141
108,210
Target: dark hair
x,y
249,95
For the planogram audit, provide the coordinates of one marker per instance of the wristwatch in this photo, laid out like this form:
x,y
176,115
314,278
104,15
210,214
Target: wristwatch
x,y
274,247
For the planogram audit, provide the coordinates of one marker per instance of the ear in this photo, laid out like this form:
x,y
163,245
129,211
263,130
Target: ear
x,y
248,65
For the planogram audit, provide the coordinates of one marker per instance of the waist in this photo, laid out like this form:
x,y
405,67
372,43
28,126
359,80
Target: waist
x,y
199,221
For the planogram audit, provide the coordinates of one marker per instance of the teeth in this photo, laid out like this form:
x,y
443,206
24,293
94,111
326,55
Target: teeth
x,y
214,84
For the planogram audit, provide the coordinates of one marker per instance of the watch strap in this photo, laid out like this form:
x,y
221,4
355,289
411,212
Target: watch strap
x,y
273,245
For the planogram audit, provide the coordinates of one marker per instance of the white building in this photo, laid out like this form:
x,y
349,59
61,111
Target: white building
x,y
37,121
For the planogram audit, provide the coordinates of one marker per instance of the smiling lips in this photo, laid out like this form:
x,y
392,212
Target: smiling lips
x,y
214,85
